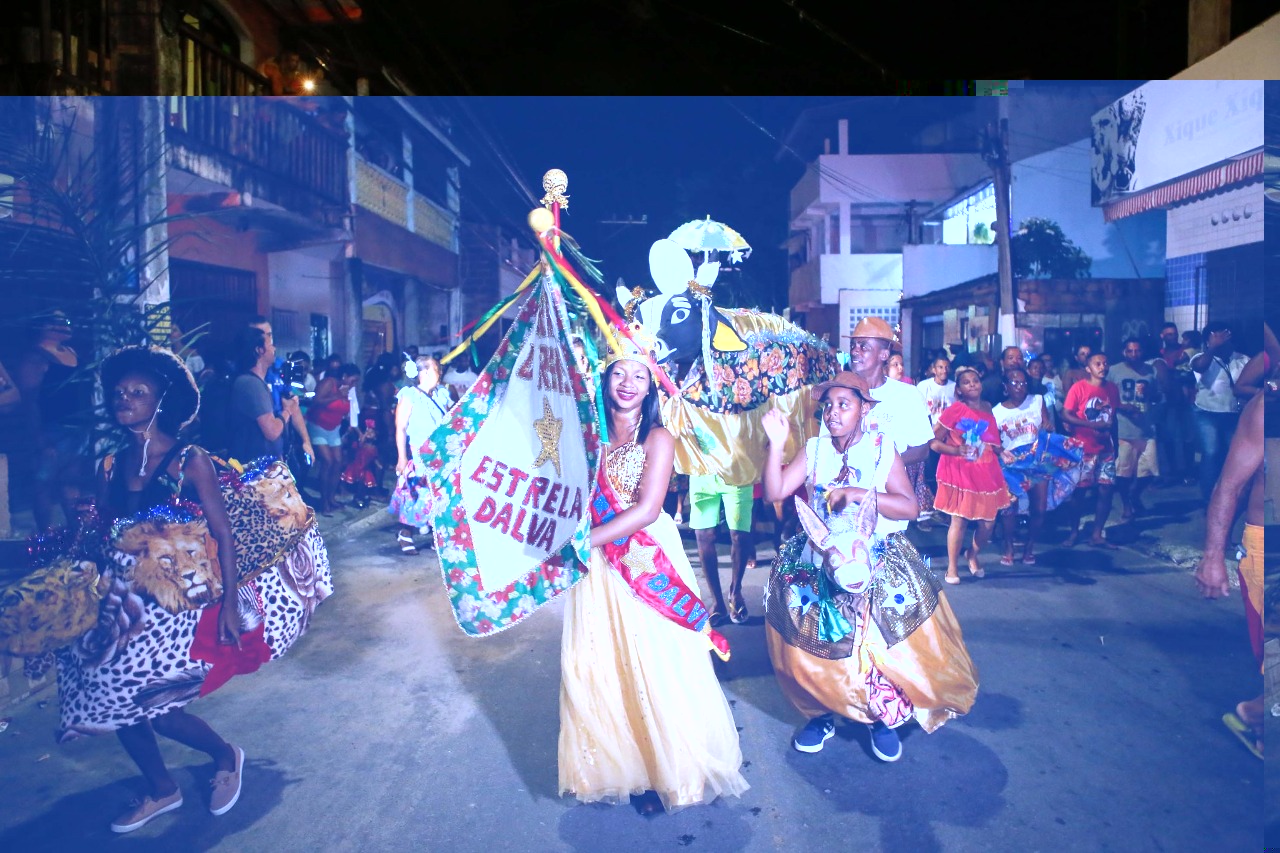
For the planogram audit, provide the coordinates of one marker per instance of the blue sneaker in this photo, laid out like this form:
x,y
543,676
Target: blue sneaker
x,y
815,733
885,743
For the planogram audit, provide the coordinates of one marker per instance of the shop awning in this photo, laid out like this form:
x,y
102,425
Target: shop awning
x,y
1210,180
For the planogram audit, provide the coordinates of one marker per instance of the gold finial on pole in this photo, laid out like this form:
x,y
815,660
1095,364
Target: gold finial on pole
x,y
554,183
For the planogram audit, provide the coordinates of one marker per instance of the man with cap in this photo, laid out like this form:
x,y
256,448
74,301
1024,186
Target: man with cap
x,y
900,412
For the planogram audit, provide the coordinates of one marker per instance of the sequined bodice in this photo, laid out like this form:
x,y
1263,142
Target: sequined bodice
x,y
624,466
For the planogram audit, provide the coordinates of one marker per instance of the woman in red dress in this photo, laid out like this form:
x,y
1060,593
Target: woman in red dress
x,y
971,486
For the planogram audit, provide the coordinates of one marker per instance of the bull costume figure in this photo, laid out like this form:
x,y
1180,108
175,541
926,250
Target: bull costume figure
x,y
731,367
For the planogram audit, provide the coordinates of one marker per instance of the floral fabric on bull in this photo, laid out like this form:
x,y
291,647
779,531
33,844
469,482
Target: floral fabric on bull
x,y
772,365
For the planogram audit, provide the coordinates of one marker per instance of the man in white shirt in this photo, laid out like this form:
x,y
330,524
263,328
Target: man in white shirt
x,y
1217,407
900,412
938,391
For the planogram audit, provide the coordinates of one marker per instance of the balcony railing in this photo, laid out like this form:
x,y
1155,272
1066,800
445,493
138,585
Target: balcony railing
x,y
61,50
282,154
382,193
206,70
434,223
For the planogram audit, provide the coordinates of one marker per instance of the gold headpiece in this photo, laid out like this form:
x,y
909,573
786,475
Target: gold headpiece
x,y
631,348
629,310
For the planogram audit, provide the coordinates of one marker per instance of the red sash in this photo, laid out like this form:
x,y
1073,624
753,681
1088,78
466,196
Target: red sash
x,y
641,562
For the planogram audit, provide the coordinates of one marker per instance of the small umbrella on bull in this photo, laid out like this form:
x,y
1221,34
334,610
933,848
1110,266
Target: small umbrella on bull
x,y
707,236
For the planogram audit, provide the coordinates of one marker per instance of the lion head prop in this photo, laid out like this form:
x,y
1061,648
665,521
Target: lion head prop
x,y
267,514
174,562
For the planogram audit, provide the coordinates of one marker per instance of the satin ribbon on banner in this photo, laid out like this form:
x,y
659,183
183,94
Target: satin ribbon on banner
x,y
488,319
600,309
641,562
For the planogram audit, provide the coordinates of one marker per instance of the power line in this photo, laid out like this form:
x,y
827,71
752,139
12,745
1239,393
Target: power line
x,y
843,180
721,24
839,39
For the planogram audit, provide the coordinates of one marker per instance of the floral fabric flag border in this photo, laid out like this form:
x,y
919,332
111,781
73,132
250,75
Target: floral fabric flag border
x,y
511,471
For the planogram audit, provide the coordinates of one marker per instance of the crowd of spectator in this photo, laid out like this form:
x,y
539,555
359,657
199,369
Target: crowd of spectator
x,y
333,423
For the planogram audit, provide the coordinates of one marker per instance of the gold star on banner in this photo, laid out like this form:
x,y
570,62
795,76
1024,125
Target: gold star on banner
x,y
639,559
548,429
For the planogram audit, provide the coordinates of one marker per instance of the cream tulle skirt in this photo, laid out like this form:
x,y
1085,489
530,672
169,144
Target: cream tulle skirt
x,y
640,706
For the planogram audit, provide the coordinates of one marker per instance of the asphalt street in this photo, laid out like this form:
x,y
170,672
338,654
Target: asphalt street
x,y
1096,728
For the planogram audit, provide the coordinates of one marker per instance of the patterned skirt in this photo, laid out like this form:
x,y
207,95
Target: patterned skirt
x,y
411,500
143,661
924,495
1052,459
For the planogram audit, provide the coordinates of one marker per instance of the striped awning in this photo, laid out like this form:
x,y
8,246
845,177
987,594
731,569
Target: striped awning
x,y
1185,188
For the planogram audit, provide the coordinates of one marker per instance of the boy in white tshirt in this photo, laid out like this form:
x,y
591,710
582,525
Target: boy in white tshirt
x,y
938,391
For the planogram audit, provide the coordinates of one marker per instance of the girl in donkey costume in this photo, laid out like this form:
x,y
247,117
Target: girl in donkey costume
x,y
855,623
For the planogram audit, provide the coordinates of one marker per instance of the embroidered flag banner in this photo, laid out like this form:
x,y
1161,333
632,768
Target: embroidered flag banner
x,y
511,471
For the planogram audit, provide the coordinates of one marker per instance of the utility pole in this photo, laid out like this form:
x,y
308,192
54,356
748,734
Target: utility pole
x,y
996,154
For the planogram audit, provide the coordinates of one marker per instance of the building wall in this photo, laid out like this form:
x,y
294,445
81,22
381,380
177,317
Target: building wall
x,y
892,178
262,28
1220,221
877,278
1055,185
1052,313
386,245
805,286
216,241
1253,56
930,267
300,284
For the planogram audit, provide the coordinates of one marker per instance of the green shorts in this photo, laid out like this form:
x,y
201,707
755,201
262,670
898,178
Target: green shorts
x,y
705,494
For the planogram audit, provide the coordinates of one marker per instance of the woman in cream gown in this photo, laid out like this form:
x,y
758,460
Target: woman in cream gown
x,y
642,715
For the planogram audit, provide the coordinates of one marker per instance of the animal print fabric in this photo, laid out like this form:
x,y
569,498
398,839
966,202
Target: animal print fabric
x,y
136,663
49,608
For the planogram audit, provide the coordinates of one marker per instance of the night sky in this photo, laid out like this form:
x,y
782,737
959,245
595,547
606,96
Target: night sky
x,y
692,153
672,159
772,46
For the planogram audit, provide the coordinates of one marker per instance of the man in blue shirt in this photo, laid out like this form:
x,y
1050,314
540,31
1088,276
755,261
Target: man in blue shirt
x,y
294,420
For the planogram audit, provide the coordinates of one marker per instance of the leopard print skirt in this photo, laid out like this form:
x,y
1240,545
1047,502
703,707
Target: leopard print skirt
x,y
138,664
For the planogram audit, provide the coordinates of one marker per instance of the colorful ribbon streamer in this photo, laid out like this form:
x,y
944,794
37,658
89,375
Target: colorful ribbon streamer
x,y
489,318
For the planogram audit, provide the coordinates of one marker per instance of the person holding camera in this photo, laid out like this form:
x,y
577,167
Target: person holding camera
x,y
1218,401
282,378
255,427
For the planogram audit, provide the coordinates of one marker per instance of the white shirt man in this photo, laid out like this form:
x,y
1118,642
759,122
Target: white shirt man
x,y
938,391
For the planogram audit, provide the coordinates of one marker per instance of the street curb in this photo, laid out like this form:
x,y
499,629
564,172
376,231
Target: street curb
x,y
368,519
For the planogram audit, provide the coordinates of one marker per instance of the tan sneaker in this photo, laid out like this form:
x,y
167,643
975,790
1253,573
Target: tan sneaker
x,y
226,786
142,812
